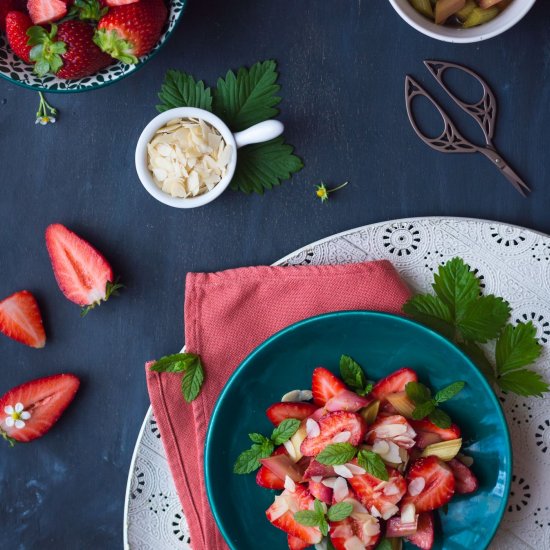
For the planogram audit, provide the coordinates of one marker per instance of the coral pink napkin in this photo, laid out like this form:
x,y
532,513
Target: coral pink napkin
x,y
228,314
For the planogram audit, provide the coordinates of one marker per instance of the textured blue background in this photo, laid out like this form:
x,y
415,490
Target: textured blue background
x,y
342,67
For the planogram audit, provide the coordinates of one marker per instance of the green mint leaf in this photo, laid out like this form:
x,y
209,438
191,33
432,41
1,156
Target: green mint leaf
x,y
309,518
323,526
176,362
440,418
265,165
248,97
423,410
336,453
456,286
484,318
366,390
517,347
352,373
266,448
477,355
318,507
373,464
258,438
384,544
340,511
524,382
432,312
181,90
193,378
285,430
418,393
247,461
449,391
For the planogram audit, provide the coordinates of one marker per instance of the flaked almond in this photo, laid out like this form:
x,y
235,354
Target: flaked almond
x,y
343,471
317,479
290,485
312,428
408,513
354,543
391,489
340,490
342,437
329,482
355,470
391,511
416,486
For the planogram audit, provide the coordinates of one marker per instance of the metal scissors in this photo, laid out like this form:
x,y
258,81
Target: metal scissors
x,y
483,112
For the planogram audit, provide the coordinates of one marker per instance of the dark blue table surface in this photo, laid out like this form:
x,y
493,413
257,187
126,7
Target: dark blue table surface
x,y
342,67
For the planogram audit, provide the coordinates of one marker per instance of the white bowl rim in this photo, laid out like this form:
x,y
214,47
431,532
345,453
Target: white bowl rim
x,y
145,175
501,23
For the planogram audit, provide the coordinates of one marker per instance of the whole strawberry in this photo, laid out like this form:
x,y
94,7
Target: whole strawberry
x,y
130,31
67,51
17,24
9,5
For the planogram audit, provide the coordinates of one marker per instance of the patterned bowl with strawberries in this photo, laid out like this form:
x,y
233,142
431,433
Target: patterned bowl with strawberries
x,y
17,71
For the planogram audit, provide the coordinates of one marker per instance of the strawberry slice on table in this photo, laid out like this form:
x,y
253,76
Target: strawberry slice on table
x,y
438,484
465,481
325,386
379,497
294,543
46,11
281,514
28,411
20,319
281,411
333,424
393,383
428,433
82,273
16,24
424,536
130,31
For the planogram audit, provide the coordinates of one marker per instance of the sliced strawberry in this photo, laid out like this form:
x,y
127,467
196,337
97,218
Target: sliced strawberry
x,y
428,433
281,411
320,491
347,400
266,478
82,273
316,469
379,497
294,543
46,11
393,383
325,386
424,536
281,466
31,409
331,425
359,531
394,428
113,3
20,319
17,24
281,514
439,484
465,481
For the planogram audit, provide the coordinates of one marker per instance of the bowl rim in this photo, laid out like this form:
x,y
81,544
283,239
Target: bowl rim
x,y
460,36
209,444
104,84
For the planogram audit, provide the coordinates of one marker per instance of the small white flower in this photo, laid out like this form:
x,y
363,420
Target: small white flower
x,y
16,416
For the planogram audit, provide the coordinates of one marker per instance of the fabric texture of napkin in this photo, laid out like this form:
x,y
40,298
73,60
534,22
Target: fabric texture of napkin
x,y
227,315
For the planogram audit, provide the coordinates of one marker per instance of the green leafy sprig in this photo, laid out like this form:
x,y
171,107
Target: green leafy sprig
x,y
428,406
263,446
353,376
241,100
190,365
460,311
319,518
342,453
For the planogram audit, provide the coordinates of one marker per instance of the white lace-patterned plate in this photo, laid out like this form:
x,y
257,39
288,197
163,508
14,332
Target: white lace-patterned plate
x,y
513,262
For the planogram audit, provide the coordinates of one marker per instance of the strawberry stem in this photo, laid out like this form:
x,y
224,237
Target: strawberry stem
x,y
46,113
110,42
111,289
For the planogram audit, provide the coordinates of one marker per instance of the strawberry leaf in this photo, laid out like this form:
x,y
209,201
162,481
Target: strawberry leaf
x,y
524,382
517,347
373,464
285,430
484,318
432,312
336,453
180,90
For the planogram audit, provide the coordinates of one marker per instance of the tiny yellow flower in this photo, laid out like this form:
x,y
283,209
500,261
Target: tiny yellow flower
x,y
323,193
46,113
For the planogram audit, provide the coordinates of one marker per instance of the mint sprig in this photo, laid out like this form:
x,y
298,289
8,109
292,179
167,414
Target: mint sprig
x,y
460,311
353,375
336,453
319,518
373,464
190,365
263,446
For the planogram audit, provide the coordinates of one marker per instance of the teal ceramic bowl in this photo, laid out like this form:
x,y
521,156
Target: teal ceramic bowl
x,y
381,343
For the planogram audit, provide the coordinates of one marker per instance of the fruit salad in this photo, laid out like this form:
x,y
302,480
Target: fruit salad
x,y
460,13
360,465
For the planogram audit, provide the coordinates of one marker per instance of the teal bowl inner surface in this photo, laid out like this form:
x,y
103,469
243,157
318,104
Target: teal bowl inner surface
x,y
381,343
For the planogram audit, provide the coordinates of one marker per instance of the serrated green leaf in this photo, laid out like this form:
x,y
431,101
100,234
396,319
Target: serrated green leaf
x,y
440,418
309,518
176,362
318,507
517,347
323,526
423,410
340,511
285,430
484,318
249,97
193,378
247,462
524,382
432,312
265,165
417,392
181,90
373,464
258,438
336,453
352,373
449,391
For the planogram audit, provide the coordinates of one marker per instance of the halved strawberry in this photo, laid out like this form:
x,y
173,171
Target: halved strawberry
x,y
46,11
424,536
325,386
428,433
347,400
331,425
266,478
281,514
17,23
439,484
360,530
393,383
465,481
20,319
281,411
394,428
294,543
379,497
28,411
82,273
